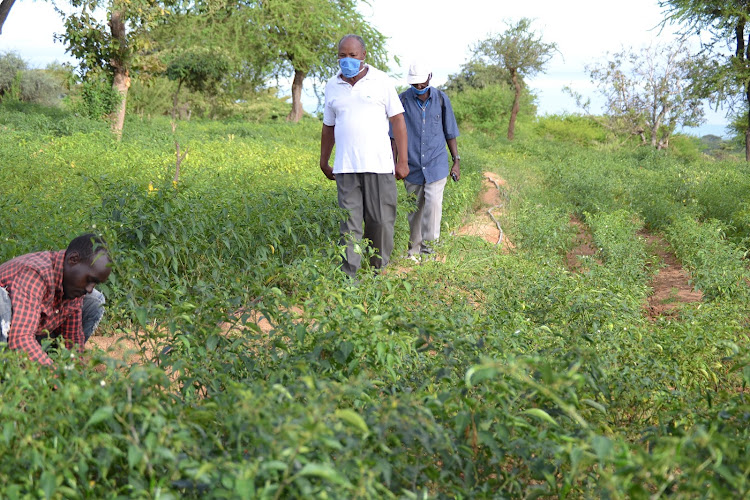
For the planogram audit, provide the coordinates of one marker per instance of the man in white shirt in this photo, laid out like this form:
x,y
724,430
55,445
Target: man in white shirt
x,y
360,101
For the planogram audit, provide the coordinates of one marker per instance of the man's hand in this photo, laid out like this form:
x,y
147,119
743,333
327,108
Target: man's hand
x,y
402,169
456,171
328,171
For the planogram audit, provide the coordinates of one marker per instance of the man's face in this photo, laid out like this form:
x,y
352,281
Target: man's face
x,y
351,48
420,86
80,277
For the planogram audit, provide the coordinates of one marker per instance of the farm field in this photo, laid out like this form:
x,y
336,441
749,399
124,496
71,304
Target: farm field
x,y
542,367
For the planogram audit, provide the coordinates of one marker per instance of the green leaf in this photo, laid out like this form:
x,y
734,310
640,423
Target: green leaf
x,y
212,342
324,472
100,415
48,484
354,419
540,414
135,456
603,447
140,314
595,405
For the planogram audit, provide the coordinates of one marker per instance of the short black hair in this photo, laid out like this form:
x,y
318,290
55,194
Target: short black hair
x,y
356,37
87,245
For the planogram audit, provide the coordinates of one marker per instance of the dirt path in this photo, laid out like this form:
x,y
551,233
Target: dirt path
x,y
491,205
583,246
671,288
119,346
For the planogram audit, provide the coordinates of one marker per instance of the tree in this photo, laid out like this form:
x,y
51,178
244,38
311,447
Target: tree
x,y
11,67
299,39
721,23
42,86
476,75
521,53
5,6
116,48
199,69
649,93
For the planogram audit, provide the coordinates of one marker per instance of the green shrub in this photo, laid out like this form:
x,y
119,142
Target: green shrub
x,y
488,109
98,98
572,128
483,374
11,66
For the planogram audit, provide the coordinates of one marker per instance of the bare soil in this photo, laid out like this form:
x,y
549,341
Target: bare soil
x,y
671,288
583,246
119,346
481,224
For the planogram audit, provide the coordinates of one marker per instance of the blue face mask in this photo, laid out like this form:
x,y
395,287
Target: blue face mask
x,y
421,92
349,66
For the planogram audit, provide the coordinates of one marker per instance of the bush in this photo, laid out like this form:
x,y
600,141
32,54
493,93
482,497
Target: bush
x,y
45,120
97,98
571,128
41,87
11,65
488,109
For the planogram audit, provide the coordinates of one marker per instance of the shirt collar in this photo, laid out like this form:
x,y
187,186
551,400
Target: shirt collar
x,y
421,104
341,80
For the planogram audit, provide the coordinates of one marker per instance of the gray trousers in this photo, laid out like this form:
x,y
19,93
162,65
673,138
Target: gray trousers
x,y
91,313
424,222
369,198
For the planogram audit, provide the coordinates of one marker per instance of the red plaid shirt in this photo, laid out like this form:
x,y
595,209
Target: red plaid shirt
x,y
34,284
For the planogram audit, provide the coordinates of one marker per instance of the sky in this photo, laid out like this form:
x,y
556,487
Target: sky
x,y
441,34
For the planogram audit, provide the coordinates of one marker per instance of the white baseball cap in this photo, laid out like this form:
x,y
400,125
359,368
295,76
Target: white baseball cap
x,y
418,73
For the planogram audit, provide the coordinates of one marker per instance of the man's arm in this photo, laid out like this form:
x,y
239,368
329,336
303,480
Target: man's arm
x,y
26,299
456,168
327,140
400,139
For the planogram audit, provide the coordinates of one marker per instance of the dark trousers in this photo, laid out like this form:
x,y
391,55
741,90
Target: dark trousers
x,y
369,198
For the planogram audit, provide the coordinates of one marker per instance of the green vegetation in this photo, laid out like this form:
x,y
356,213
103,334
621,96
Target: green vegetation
x,y
487,375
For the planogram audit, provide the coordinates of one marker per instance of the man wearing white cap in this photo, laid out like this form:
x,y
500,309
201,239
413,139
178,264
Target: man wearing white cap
x,y
430,125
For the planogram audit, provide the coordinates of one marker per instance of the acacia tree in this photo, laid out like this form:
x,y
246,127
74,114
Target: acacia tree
x,y
521,53
298,39
200,69
475,75
650,93
115,48
721,24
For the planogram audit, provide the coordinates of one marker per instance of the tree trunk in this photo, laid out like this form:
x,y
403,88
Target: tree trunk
x,y
296,113
5,6
744,52
174,100
516,105
121,80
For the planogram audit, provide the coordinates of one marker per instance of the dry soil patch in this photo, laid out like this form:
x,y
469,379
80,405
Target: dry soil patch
x,y
670,284
490,205
583,246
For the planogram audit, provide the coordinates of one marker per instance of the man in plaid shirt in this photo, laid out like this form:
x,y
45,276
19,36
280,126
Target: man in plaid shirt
x,y
51,294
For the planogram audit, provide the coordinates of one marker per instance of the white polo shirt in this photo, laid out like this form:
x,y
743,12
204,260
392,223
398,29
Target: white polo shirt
x,y
360,116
